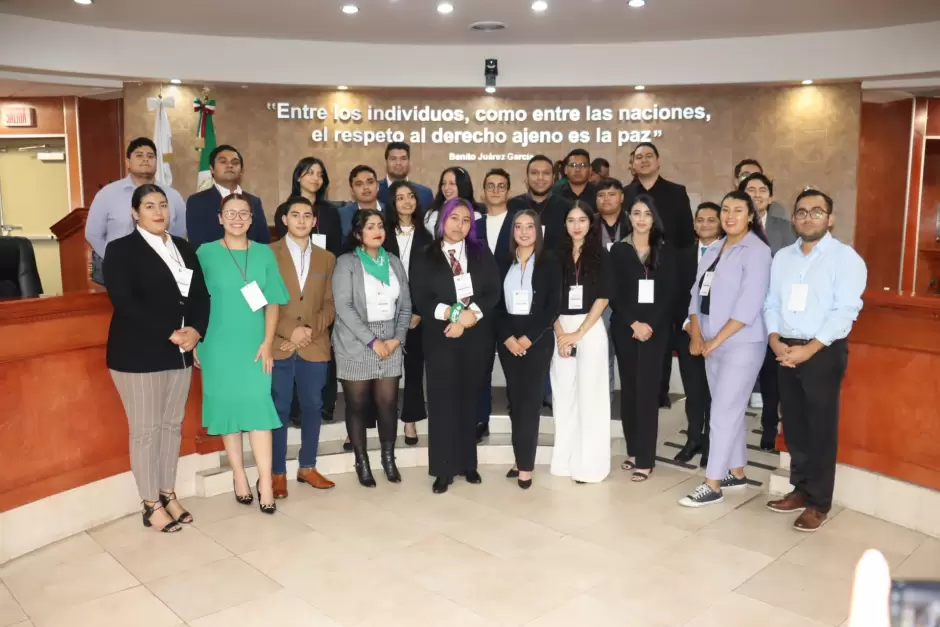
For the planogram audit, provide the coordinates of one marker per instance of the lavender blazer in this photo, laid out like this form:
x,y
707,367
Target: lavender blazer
x,y
739,288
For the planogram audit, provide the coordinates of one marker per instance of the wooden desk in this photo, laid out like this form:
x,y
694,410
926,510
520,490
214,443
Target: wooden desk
x,y
62,424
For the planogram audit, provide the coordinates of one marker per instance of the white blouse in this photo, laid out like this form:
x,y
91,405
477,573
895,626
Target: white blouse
x,y
381,299
406,237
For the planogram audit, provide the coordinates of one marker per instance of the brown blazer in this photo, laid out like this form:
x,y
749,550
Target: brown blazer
x,y
314,309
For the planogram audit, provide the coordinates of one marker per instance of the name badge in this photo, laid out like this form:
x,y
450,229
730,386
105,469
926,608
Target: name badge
x,y
799,292
318,240
521,303
543,230
464,286
706,284
253,296
645,293
384,303
576,297
609,245
184,279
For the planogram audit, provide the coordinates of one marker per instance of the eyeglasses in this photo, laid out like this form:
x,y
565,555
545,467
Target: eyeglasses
x,y
578,166
492,187
231,214
803,214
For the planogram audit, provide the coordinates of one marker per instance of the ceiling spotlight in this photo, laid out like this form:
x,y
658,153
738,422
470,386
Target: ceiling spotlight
x,y
176,81
490,89
490,72
445,8
636,4
83,2
808,81
640,87
539,6
350,9
342,88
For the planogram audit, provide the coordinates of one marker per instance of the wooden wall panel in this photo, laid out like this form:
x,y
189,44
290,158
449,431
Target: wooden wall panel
x,y
933,117
72,152
49,119
102,151
911,228
882,186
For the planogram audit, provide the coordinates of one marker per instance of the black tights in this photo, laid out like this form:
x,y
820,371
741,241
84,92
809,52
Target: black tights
x,y
363,397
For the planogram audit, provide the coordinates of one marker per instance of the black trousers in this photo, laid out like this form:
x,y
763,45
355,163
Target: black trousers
x,y
641,369
698,398
525,385
810,396
413,408
770,394
671,346
331,389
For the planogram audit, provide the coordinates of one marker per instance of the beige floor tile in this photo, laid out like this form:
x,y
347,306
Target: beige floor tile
x,y
802,590
584,564
635,537
431,611
875,533
923,563
722,565
289,562
10,610
121,532
582,610
69,583
504,536
835,554
439,562
79,546
666,505
250,533
163,554
136,606
281,609
736,610
25,623
212,588
210,510
438,512
760,531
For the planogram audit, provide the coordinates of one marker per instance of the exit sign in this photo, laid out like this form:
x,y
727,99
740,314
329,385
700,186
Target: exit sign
x,y
18,116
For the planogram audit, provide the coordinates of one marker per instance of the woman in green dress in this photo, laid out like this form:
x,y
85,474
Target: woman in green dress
x,y
236,356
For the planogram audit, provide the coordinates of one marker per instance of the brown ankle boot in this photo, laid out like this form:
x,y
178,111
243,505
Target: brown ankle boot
x,y
279,484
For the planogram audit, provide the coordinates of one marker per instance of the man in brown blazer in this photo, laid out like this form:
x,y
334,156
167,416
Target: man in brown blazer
x,y
302,344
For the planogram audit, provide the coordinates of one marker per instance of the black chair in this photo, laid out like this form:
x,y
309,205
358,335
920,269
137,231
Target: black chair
x,y
19,276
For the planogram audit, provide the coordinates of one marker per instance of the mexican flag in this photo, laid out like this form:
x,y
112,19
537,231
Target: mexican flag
x,y
205,131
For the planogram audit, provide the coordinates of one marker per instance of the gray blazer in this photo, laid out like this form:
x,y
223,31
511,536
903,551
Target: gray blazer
x,y
351,333
780,233
778,211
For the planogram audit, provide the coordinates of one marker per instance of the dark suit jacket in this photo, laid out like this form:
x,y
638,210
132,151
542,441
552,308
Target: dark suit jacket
x,y
422,239
502,243
628,270
327,224
780,233
674,207
148,306
202,218
425,195
546,303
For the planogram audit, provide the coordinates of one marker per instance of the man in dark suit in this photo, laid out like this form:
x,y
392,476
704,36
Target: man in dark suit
x,y
577,185
550,206
364,188
675,209
202,208
397,167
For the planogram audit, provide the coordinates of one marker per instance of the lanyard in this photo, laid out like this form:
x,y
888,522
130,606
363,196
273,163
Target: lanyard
x,y
245,273
524,265
407,249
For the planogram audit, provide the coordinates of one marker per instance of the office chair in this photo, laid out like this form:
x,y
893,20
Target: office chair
x,y
19,276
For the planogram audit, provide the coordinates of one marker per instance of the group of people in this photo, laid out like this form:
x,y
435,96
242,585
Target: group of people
x,y
404,282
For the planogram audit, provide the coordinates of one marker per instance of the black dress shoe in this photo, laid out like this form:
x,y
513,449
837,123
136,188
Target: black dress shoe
x,y
441,484
474,477
524,484
513,473
688,452
665,402
347,445
327,416
768,444
483,430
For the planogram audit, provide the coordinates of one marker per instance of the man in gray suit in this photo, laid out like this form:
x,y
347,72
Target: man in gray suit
x,y
780,234
747,167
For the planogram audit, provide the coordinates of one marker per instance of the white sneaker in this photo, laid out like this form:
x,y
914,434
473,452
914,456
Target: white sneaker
x,y
757,401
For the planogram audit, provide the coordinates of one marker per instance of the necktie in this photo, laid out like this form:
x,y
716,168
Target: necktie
x,y
457,269
702,251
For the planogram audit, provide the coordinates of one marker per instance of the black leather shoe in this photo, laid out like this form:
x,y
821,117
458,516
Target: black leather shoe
x,y
525,485
441,484
364,469
483,430
513,473
474,477
388,462
768,444
665,402
327,416
347,445
688,452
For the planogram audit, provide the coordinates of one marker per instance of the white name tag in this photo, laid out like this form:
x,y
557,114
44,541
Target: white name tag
x,y
645,293
609,244
706,284
799,292
184,279
318,240
464,286
521,303
253,296
543,230
382,309
576,297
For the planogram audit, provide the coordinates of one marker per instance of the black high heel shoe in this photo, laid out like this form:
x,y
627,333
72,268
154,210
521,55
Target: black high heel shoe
x,y
165,497
411,440
388,462
244,499
364,469
171,527
513,473
266,508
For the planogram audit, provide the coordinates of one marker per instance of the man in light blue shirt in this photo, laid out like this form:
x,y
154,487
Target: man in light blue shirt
x,y
109,216
814,298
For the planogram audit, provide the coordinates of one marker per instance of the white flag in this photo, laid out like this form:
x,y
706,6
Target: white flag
x,y
162,137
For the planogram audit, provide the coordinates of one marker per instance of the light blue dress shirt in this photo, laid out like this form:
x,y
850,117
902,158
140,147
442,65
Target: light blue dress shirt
x,y
518,279
836,277
109,216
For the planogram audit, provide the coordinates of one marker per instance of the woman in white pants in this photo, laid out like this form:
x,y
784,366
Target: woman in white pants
x,y
579,365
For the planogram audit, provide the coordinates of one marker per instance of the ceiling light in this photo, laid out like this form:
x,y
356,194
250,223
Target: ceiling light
x,y
490,89
350,9
83,1
445,8
808,81
539,6
640,87
342,88
636,4
176,81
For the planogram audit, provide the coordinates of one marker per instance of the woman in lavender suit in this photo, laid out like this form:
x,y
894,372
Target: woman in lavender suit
x,y
727,328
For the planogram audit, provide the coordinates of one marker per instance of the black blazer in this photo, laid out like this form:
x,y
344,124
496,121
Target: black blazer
x,y
327,224
202,218
674,207
148,306
502,241
552,212
628,270
546,303
686,270
422,239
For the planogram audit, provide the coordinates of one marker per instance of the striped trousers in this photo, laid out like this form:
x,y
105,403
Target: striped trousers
x,y
155,403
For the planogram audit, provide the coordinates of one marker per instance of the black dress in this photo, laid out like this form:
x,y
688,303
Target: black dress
x,y
456,367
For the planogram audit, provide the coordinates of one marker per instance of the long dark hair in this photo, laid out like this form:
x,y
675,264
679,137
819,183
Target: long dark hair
x,y
464,191
539,238
300,169
657,233
753,223
358,226
392,220
590,259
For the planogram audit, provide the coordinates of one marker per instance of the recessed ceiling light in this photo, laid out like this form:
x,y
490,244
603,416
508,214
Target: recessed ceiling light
x,y
491,90
176,81
350,9
83,1
539,6
444,8
636,4
342,88
640,87
808,81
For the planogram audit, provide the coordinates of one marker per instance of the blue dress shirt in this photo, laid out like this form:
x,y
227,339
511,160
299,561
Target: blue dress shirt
x,y
835,276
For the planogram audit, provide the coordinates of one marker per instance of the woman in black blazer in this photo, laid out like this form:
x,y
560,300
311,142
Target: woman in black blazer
x,y
310,180
406,239
531,299
645,279
455,285
161,310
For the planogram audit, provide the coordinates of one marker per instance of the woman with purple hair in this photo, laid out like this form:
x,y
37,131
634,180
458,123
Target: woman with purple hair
x,y
457,279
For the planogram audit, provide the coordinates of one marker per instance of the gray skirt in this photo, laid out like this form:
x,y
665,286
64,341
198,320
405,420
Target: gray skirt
x,y
371,367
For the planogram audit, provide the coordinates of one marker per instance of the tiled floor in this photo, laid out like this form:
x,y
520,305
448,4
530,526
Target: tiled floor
x,y
478,556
